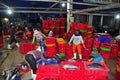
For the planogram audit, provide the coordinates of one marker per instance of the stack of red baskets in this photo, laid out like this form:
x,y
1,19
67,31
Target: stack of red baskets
x,y
105,50
50,46
68,51
26,47
1,43
117,74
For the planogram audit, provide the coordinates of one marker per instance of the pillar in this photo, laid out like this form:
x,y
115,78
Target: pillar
x,y
90,20
69,14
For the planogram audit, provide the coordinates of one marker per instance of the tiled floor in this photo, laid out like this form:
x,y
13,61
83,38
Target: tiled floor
x,y
14,57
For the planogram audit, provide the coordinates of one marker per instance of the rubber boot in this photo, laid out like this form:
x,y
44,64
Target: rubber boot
x,y
74,56
80,56
17,45
9,46
33,75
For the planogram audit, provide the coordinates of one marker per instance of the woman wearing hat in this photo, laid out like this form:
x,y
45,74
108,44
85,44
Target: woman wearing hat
x,y
95,57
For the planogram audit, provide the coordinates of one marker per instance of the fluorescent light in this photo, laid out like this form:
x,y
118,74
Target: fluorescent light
x,y
63,5
9,11
118,16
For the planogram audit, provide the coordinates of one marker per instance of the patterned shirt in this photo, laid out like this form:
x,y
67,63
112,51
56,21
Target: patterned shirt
x,y
76,39
37,54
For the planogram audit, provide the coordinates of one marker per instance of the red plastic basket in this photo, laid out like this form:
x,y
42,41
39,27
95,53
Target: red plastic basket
x,y
96,74
26,47
48,71
105,54
61,48
114,50
67,74
92,77
118,61
50,40
50,51
88,42
86,53
96,43
69,51
51,23
117,75
1,43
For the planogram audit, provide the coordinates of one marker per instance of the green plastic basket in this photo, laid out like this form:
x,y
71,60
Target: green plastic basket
x,y
105,49
66,41
83,30
57,26
46,31
94,49
61,54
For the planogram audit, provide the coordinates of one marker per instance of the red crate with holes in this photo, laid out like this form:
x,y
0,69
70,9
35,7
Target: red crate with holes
x,y
62,31
61,48
1,43
84,34
50,46
23,39
88,42
105,54
50,40
118,61
70,73
51,23
60,45
105,50
117,75
68,51
5,33
82,26
57,22
26,47
114,50
62,21
50,51
96,43
48,71
86,53
98,73
118,43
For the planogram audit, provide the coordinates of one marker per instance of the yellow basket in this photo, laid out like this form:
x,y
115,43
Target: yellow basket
x,y
50,45
60,40
118,68
89,26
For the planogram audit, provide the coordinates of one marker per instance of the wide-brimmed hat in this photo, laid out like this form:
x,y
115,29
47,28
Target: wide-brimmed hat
x,y
94,54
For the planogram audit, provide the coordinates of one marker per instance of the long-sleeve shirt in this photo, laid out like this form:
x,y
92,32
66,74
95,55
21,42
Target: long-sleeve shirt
x,y
12,32
38,35
76,39
37,54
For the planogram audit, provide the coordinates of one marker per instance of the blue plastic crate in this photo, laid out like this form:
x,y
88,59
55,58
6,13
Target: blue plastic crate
x,y
18,78
48,61
30,79
0,53
104,39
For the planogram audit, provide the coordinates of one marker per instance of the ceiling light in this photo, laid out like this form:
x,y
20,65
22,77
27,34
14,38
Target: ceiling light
x,y
9,11
118,16
6,19
63,5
